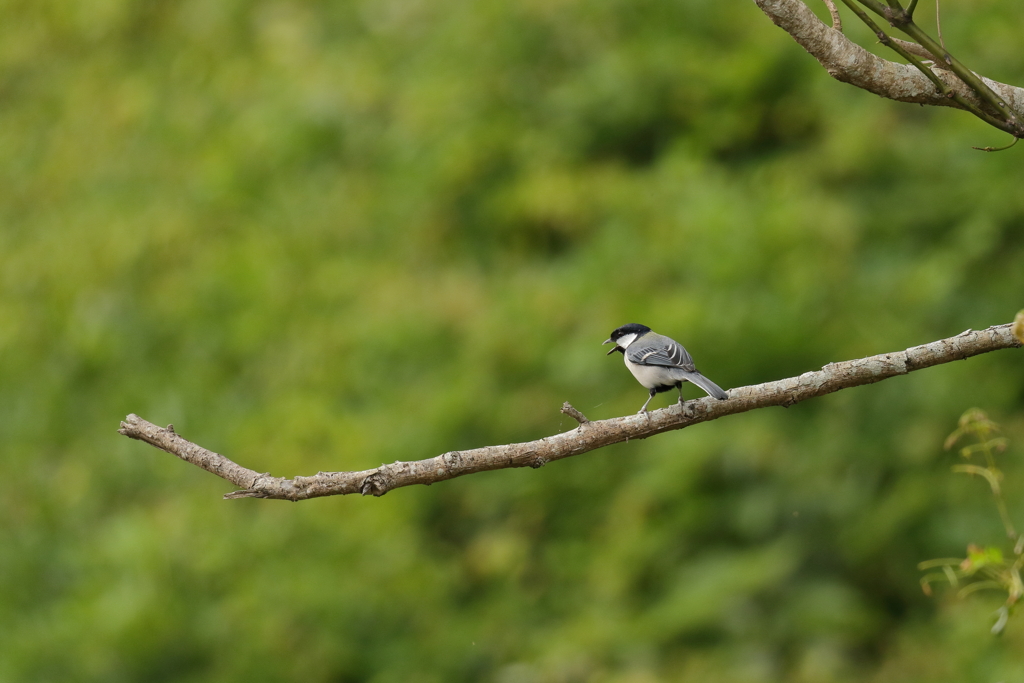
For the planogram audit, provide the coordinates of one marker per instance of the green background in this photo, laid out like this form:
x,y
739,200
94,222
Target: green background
x,y
327,235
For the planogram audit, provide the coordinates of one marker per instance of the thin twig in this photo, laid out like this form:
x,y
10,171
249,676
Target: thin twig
x,y
915,49
587,437
898,18
837,21
574,414
997,149
884,38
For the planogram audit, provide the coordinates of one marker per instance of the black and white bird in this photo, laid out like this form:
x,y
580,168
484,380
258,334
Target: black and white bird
x,y
658,362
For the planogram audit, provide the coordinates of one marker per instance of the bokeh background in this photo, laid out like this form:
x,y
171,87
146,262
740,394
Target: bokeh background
x,y
325,235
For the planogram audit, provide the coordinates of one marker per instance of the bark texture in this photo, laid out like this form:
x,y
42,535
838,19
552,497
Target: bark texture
x,y
587,437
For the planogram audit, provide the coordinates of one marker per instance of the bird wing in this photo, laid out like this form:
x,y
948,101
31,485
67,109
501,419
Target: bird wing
x,y
664,352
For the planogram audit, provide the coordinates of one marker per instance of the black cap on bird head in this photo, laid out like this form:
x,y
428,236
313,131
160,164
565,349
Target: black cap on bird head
x,y
635,329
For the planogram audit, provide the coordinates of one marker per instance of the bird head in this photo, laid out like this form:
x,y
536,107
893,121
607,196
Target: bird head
x,y
625,335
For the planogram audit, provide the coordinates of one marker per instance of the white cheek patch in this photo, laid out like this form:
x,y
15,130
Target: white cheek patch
x,y
626,340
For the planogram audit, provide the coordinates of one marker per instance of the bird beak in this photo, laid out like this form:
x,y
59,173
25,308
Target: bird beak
x,y
614,348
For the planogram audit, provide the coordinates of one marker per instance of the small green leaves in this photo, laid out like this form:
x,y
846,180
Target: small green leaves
x,y
987,568
974,422
979,558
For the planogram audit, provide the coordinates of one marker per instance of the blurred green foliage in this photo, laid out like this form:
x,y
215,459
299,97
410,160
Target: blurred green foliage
x,y
983,568
322,236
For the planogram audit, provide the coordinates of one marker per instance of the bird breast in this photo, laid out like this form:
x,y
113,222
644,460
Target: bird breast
x,y
652,376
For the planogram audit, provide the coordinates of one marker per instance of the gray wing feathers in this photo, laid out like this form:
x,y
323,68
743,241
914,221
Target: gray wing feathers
x,y
661,351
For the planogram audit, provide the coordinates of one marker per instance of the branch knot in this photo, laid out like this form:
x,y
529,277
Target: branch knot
x,y
452,460
377,484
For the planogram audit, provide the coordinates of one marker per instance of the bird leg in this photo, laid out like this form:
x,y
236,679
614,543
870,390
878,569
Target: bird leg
x,y
644,408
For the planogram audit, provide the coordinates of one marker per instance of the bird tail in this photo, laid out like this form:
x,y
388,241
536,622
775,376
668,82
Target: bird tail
x,y
707,385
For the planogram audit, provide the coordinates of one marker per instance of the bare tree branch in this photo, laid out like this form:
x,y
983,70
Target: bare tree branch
x,y
587,437
850,63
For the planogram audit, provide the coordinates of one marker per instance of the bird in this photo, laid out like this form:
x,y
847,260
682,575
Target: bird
x,y
658,362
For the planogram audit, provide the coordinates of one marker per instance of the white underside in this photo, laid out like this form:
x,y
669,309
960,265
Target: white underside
x,y
651,376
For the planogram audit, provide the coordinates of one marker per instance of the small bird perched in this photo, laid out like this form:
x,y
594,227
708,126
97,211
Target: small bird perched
x,y
658,362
